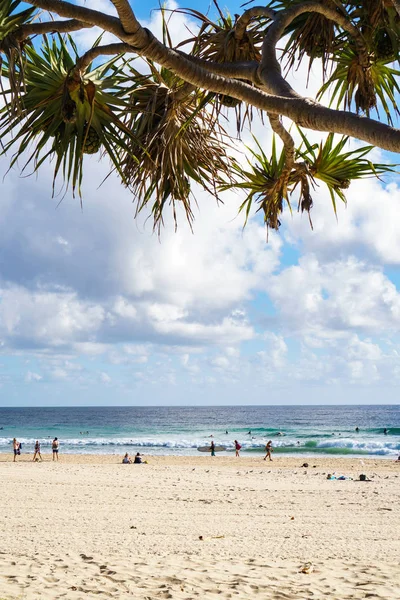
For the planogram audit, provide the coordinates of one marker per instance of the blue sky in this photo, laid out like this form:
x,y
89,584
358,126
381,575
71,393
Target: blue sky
x,y
95,309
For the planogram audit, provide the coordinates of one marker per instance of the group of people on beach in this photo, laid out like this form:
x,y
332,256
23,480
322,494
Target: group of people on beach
x,y
136,461
268,449
17,447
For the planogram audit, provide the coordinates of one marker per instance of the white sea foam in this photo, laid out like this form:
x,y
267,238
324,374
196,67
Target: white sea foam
x,y
165,444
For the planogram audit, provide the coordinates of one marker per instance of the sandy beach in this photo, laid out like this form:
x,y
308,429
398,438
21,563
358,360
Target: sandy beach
x,y
198,527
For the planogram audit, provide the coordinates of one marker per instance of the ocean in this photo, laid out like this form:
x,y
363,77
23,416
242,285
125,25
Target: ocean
x,y
296,430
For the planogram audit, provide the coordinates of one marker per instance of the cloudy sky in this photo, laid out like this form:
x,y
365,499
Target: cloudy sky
x,y
96,309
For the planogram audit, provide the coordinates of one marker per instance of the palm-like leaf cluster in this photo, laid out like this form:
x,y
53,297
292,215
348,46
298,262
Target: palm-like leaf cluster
x,y
357,80
352,82
264,183
175,140
66,113
217,41
162,134
311,34
380,26
328,163
11,50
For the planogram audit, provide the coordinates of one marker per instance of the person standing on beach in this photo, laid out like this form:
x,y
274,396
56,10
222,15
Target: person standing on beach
x,y
212,448
237,448
268,450
37,451
16,448
54,446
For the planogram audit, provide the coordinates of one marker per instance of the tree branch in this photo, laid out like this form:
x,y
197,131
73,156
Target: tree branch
x,y
48,27
87,15
247,70
129,22
289,146
110,49
270,71
287,140
305,112
244,20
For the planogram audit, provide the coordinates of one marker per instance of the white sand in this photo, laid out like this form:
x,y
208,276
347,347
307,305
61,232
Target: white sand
x,y
89,527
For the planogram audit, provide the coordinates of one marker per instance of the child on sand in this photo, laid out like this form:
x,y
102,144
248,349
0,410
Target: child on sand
x,y
37,451
268,450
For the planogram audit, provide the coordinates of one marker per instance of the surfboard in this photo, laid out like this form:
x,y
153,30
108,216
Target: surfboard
x,y
208,449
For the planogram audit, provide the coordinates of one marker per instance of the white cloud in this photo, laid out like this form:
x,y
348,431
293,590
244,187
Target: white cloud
x,y
46,318
105,378
32,377
368,226
60,374
340,295
221,362
190,309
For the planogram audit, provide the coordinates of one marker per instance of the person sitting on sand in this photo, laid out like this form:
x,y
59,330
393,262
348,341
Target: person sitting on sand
x,y
127,459
138,459
37,451
268,450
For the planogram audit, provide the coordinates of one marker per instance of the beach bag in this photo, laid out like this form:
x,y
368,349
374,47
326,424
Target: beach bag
x,y
363,477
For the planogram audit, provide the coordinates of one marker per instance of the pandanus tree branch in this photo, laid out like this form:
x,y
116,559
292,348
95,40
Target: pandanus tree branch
x,y
288,143
252,13
129,21
283,101
49,27
81,13
270,72
107,50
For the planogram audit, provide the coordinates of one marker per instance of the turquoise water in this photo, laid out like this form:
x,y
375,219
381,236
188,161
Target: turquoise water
x,y
300,430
